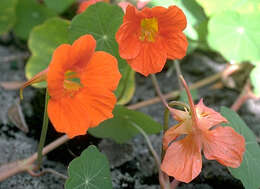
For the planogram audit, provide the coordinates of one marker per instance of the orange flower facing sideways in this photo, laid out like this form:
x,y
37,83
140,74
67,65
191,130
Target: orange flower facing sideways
x,y
201,131
85,4
148,37
80,83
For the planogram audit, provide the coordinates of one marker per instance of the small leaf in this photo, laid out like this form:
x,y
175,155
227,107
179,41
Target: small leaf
x,y
121,129
102,20
89,170
29,13
255,78
249,170
44,39
7,15
59,5
235,36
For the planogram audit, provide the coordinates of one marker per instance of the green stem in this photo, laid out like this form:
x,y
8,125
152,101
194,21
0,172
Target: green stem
x,y
44,130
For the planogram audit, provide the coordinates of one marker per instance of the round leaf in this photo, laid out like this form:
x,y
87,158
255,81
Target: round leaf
x,y
121,127
44,39
235,36
89,170
7,15
29,13
249,170
102,20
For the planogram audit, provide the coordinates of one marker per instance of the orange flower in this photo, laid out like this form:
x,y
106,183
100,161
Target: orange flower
x,y
80,83
148,37
85,4
202,131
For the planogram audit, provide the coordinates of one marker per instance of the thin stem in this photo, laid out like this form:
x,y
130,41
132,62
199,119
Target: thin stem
x,y
174,94
164,181
48,170
158,90
44,130
244,96
178,71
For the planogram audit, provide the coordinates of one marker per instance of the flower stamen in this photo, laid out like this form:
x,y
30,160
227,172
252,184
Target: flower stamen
x,y
149,29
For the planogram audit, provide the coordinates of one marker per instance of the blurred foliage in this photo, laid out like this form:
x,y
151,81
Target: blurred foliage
x,y
29,13
59,5
7,15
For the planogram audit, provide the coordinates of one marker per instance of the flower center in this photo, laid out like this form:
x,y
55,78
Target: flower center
x,y
149,29
71,83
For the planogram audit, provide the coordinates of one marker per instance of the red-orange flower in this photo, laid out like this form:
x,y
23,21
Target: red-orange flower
x,y
85,4
148,37
183,158
80,83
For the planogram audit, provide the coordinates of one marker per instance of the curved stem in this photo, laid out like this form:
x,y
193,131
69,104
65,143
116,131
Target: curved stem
x,y
158,90
44,130
164,180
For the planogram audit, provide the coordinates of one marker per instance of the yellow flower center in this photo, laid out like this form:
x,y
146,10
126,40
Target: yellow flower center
x,y
149,29
71,83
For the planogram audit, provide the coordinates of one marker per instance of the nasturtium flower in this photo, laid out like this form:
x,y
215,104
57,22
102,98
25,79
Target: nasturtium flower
x,y
202,131
150,36
85,4
80,83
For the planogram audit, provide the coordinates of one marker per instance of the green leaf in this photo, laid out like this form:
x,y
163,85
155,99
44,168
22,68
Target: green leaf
x,y
59,5
44,39
29,13
7,15
90,170
212,7
235,36
121,127
249,170
102,20
255,78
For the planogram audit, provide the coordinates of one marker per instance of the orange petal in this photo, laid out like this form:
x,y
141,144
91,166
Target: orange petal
x,y
154,12
68,116
183,159
207,116
99,104
128,34
150,60
176,45
59,64
179,115
81,52
175,131
224,145
173,21
101,72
